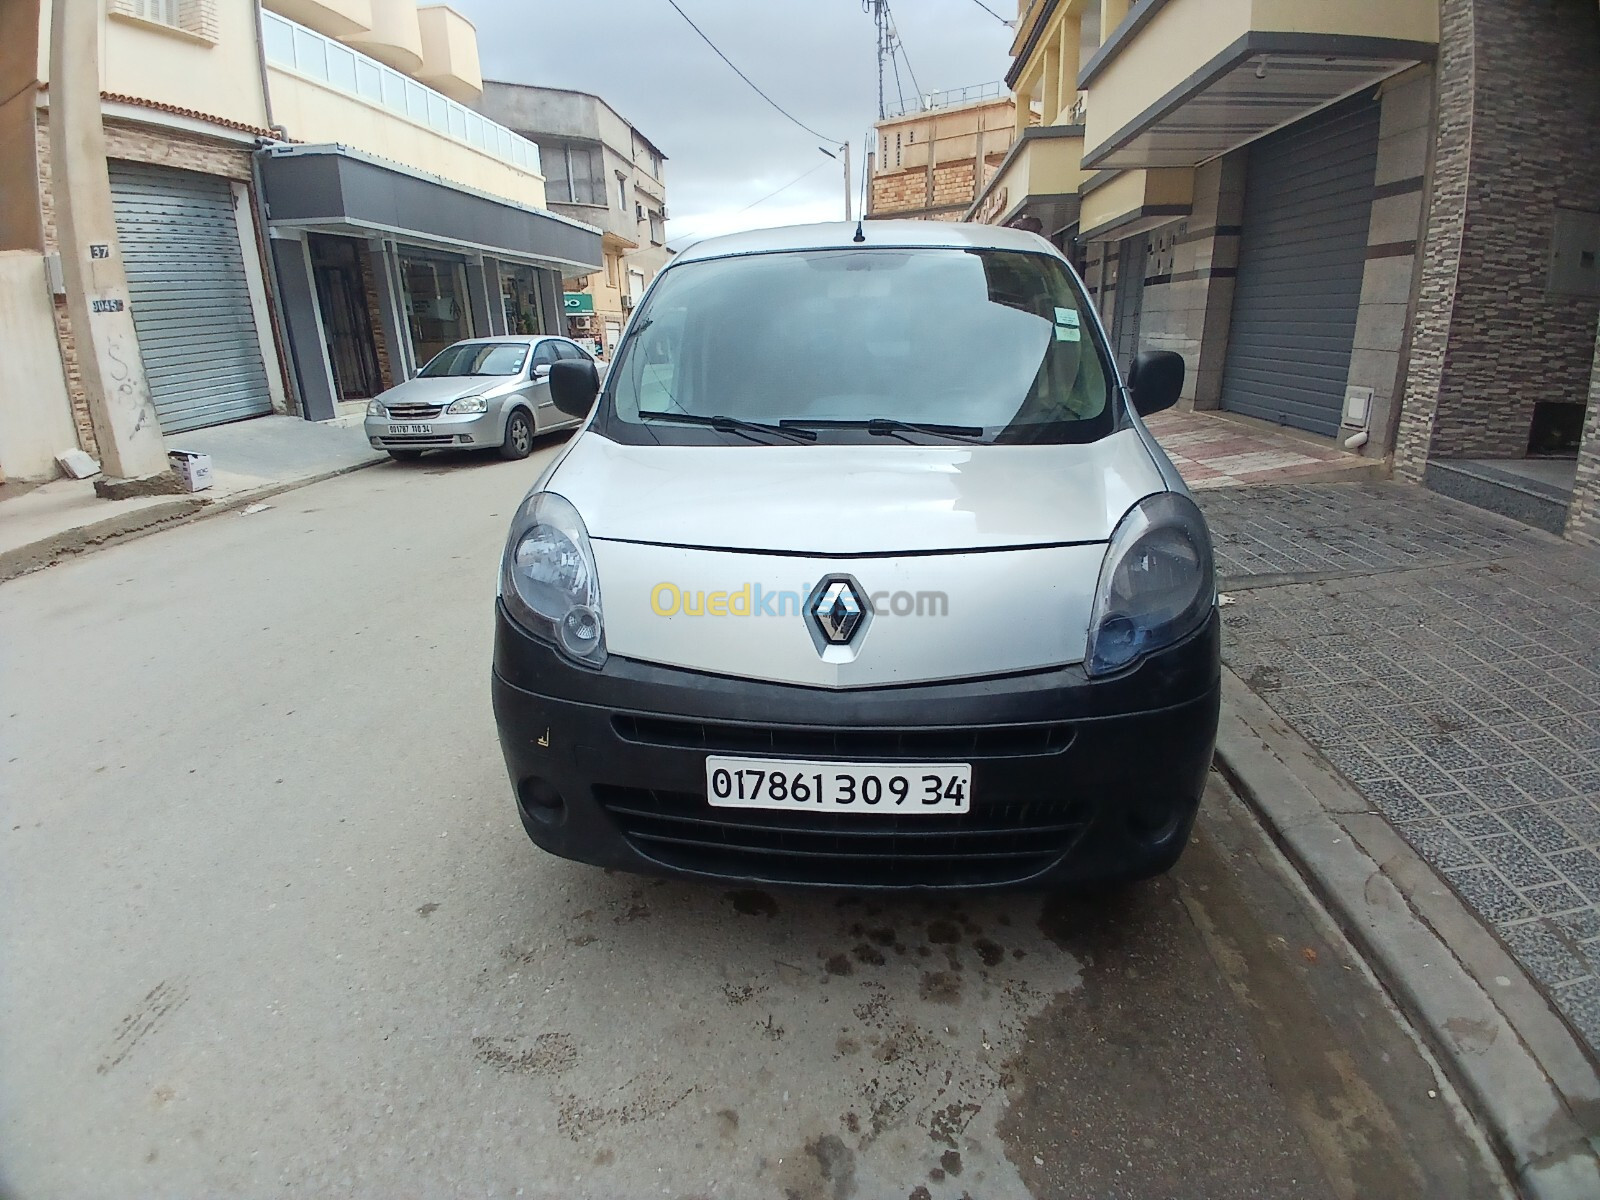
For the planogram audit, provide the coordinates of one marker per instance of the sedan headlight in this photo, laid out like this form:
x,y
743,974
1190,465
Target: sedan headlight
x,y
1157,584
374,409
468,404
548,582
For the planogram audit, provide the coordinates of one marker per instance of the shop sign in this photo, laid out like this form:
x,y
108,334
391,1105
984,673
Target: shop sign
x,y
578,302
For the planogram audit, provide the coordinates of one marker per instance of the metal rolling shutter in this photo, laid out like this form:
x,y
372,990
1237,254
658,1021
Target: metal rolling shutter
x,y
191,305
1307,205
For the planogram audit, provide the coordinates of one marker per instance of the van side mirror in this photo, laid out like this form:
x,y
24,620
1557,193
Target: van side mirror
x,y
574,383
1156,381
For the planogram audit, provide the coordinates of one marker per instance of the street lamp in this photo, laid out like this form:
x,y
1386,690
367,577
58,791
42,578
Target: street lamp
x,y
844,152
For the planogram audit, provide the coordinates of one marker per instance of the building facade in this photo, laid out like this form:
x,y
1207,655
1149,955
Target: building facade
x,y
1373,222
304,208
600,170
933,158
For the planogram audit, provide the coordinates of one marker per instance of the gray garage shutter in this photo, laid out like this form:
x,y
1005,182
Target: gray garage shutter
x,y
191,305
1307,205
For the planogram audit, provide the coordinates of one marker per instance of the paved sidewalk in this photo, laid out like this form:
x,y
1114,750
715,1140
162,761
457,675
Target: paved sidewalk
x,y
249,459
1447,662
1213,450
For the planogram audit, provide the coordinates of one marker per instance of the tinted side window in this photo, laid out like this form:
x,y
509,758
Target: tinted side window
x,y
546,354
568,350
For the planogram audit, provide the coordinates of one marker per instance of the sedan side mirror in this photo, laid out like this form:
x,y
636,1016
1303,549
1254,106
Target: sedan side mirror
x,y
541,371
1156,381
574,383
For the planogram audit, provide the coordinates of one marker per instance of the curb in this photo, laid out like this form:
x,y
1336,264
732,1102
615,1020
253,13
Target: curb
x,y
70,543
1527,1078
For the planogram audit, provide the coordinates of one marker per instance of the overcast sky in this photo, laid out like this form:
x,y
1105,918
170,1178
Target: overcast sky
x,y
725,147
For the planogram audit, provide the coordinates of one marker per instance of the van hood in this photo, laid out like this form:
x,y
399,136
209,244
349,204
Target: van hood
x,y
834,500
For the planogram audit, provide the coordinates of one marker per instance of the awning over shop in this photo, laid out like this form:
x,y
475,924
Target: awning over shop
x,y
333,189
1039,178
1120,204
1242,68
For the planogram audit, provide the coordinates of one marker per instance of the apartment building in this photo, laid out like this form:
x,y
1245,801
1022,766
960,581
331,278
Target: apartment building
x,y
934,154
600,169
305,210
1375,221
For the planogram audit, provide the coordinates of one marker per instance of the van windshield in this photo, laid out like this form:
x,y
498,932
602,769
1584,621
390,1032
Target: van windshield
x,y
986,345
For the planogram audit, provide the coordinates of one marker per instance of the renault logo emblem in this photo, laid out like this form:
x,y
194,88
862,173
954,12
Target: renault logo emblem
x,y
837,609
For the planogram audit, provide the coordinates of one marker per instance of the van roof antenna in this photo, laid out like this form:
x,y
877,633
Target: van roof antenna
x,y
860,233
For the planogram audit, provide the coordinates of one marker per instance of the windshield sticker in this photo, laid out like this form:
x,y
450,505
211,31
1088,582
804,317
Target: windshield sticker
x,y
1067,333
1067,316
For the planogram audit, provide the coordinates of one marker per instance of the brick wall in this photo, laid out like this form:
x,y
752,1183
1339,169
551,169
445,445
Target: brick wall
x,y
952,183
904,191
907,193
1519,103
133,143
1583,515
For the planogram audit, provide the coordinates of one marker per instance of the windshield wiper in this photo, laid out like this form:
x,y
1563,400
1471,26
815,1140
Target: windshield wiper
x,y
891,427
729,424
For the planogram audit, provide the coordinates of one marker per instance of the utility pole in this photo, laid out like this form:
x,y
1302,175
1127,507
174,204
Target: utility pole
x,y
846,149
133,454
844,153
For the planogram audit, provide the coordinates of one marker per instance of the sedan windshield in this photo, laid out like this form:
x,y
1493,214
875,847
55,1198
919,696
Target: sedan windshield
x,y
476,358
912,345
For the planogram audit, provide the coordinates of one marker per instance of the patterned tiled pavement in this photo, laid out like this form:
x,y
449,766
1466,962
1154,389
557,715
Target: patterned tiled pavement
x,y
1214,451
1447,662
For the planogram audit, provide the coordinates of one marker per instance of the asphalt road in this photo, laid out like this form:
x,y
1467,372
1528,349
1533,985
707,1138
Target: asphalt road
x,y
272,928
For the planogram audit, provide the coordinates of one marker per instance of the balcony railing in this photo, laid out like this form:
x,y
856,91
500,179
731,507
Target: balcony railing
x,y
309,53
946,99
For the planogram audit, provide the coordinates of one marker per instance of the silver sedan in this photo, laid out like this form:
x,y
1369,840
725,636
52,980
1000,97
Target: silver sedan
x,y
480,394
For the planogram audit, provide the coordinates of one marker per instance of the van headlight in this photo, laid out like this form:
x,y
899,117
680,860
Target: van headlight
x,y
1157,583
548,582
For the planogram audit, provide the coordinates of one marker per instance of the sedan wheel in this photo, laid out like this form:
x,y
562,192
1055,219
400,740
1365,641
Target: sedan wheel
x,y
519,436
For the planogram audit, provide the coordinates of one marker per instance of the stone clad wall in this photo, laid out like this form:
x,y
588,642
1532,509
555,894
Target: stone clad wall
x,y
1583,515
1519,106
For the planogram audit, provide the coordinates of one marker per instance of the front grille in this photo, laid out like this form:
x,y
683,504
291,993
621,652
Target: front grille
x,y
992,844
414,412
961,743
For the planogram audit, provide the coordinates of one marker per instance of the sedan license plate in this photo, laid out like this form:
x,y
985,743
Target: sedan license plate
x,y
422,429
795,784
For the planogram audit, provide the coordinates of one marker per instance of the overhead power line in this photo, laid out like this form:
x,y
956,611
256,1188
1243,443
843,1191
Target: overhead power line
x,y
992,13
770,195
784,112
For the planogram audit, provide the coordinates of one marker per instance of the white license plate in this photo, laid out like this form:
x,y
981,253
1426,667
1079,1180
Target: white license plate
x,y
422,429
798,785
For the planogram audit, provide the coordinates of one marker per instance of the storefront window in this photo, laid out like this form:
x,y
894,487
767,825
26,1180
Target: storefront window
x,y
436,302
519,291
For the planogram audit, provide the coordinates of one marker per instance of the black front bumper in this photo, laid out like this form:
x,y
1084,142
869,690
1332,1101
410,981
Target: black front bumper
x,y
1073,781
